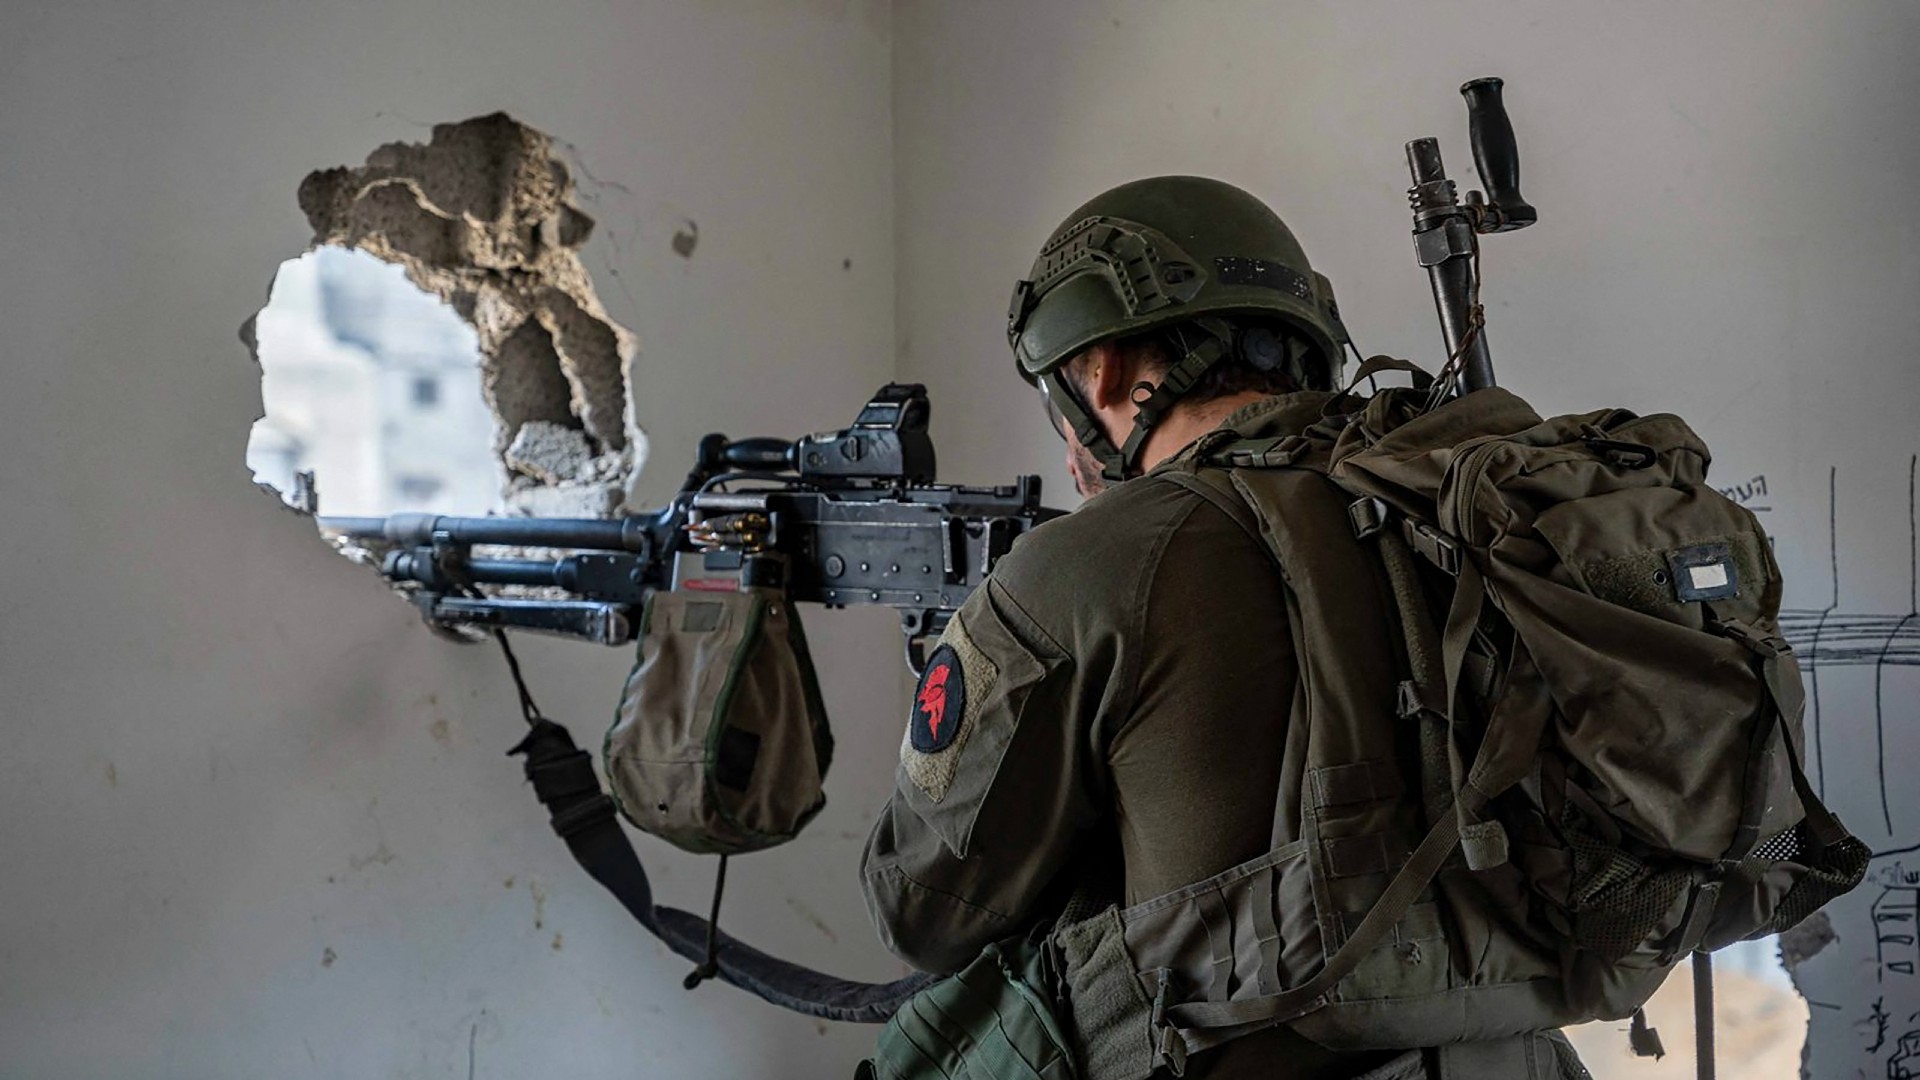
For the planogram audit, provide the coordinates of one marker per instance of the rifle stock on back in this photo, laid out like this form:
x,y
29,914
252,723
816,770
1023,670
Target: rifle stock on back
x,y
1445,232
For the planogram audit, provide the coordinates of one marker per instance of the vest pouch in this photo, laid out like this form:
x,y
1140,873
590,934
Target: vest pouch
x,y
721,742
992,1020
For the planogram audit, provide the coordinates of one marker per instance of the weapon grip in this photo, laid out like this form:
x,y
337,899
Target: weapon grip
x,y
1494,152
759,455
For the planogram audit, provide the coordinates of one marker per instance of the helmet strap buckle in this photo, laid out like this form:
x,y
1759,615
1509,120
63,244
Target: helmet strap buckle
x,y
1086,428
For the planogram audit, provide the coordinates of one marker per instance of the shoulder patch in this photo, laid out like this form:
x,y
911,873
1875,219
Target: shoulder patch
x,y
943,712
939,702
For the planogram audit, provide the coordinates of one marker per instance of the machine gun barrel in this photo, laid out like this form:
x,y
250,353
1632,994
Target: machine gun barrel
x,y
620,578
418,530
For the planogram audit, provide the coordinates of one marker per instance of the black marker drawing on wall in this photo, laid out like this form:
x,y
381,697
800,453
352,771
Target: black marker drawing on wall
x,y
1905,1062
1858,650
1827,637
1896,922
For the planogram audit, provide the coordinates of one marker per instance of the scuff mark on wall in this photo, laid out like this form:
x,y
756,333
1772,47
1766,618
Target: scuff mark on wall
x,y
379,856
483,215
685,239
813,917
539,894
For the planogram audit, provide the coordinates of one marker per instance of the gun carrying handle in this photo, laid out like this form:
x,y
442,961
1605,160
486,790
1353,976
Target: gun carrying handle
x,y
1495,154
718,454
759,455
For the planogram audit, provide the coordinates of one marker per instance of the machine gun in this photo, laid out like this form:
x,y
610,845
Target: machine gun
x,y
838,518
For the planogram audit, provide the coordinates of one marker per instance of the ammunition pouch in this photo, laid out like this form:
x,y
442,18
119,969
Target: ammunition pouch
x,y
721,742
994,1019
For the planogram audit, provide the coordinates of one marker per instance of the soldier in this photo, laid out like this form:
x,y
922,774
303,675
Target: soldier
x,y
1114,704
1121,684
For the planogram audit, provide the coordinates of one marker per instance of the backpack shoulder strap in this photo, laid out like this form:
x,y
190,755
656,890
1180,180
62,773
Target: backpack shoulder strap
x,y
1214,487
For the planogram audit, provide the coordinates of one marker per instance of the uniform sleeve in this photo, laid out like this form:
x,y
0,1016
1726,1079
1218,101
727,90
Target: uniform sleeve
x,y
993,788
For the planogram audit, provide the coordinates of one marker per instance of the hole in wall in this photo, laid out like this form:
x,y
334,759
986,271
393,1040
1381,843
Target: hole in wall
x,y
374,385
440,346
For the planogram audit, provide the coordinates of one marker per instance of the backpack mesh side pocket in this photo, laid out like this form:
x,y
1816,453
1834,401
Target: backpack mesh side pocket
x,y
1617,899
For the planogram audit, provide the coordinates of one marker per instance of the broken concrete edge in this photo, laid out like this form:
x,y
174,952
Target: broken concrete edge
x,y
484,216
290,501
1806,940
616,226
1800,943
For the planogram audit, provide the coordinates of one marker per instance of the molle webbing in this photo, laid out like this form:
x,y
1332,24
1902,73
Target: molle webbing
x,y
1602,723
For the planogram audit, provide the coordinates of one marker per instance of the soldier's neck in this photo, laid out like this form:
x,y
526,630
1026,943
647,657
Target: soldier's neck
x,y
1187,421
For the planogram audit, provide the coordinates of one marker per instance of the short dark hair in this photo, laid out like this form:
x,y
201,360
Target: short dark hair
x,y
1158,349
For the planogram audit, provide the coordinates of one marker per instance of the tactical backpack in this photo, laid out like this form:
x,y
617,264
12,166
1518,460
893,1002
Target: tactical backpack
x,y
1552,741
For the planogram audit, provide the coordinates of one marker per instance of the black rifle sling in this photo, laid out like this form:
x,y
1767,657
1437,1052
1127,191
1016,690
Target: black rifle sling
x,y
583,816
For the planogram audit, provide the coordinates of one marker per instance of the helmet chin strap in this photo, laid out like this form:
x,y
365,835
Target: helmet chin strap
x,y
1152,402
1085,428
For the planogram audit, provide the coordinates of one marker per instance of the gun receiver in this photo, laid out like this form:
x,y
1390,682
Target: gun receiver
x,y
1445,231
838,518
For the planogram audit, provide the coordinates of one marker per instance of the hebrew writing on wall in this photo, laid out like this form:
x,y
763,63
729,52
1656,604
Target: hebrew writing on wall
x,y
1845,537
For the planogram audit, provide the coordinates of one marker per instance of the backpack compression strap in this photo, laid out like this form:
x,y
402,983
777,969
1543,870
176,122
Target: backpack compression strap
x,y
1201,1025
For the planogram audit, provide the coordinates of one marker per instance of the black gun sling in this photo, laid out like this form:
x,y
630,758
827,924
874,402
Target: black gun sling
x,y
583,815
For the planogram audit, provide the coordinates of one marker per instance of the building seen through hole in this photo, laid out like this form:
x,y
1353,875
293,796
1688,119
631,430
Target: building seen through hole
x,y
371,389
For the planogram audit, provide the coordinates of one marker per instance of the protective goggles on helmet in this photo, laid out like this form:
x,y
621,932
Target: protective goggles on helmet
x,y
1056,419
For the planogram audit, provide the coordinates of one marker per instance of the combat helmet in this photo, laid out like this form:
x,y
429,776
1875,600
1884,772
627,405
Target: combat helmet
x,y
1166,250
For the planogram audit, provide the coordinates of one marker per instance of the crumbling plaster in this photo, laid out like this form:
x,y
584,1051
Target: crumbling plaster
x,y
260,822
483,215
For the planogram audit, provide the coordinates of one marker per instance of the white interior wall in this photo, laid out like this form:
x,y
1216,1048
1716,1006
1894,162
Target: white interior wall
x,y
258,822
1723,233
228,758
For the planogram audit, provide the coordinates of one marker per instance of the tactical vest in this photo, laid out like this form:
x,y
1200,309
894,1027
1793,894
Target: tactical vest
x,y
1552,747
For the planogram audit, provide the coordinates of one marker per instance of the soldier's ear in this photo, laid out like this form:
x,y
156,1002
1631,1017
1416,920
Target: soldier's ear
x,y
1106,377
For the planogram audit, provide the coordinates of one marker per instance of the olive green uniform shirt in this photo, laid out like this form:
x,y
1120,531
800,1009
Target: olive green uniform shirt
x,y
1122,684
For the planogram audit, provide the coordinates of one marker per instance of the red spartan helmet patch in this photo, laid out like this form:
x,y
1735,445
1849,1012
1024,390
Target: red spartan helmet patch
x,y
938,703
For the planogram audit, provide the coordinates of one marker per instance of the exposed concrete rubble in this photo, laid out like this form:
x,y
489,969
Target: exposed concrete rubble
x,y
571,479
483,215
550,453
1805,941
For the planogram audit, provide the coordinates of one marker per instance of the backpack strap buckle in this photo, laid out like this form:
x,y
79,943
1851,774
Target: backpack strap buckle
x,y
1766,643
1626,455
1367,515
1702,898
1433,545
1169,1049
1268,453
1410,701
